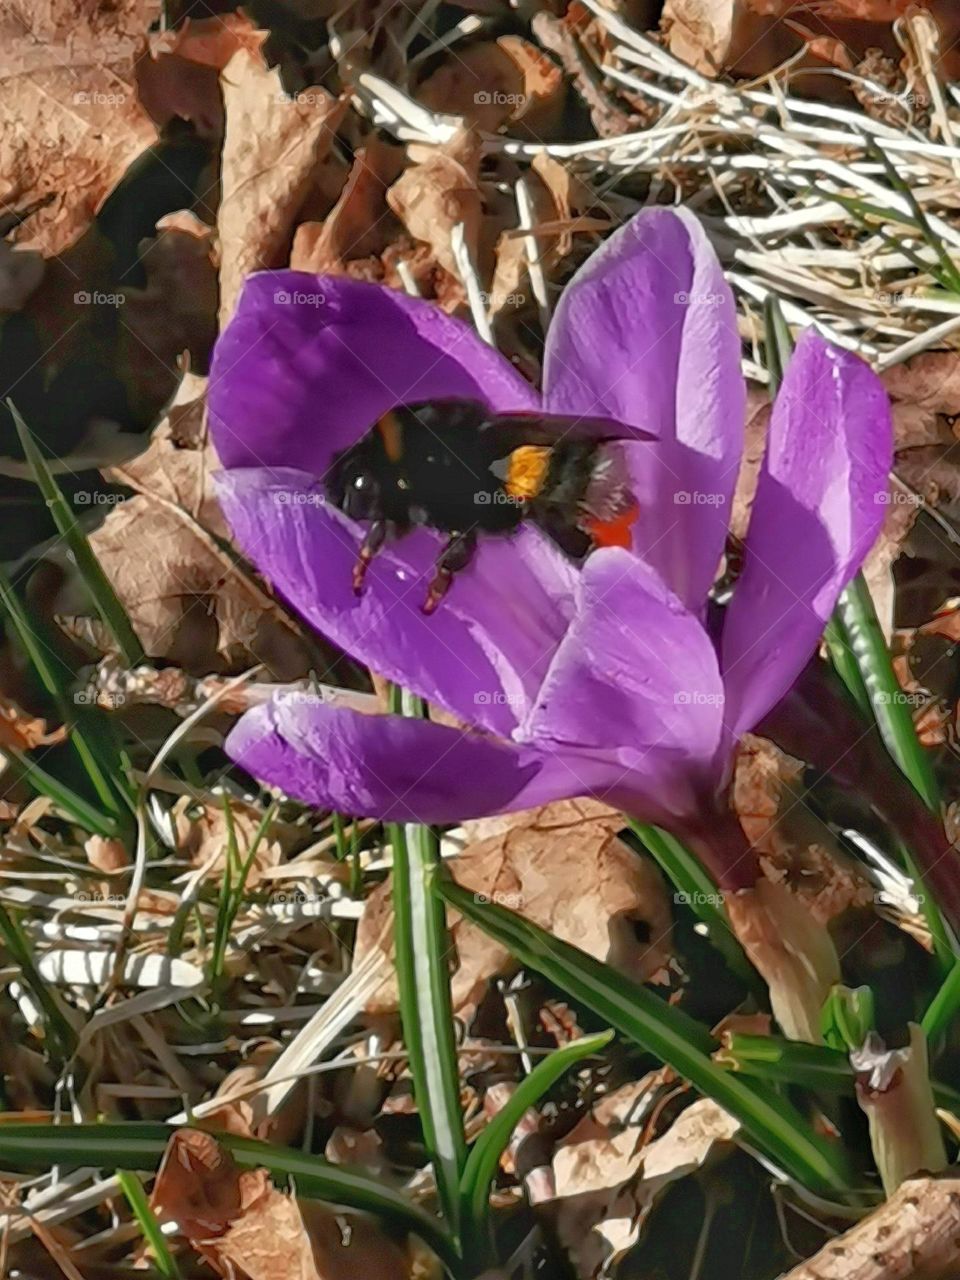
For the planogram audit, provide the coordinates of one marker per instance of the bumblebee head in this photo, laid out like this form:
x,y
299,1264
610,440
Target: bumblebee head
x,y
354,484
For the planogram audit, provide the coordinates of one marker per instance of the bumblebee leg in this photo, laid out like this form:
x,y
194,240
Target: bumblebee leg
x,y
371,544
456,555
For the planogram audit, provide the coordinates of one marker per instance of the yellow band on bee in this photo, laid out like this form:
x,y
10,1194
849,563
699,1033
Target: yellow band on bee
x,y
527,471
391,433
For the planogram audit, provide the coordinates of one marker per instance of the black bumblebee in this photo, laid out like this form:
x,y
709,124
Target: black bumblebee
x,y
453,466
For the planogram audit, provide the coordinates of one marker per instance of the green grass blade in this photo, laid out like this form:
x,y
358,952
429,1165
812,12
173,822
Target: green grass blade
x,y
943,1007
860,655
56,1025
812,1066
769,1122
484,1158
163,1259
694,886
423,951
891,710
949,275
140,1147
105,599
231,893
845,664
73,806
782,1061
92,749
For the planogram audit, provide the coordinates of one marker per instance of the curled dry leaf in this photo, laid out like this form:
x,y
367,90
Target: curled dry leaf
x,y
885,552
189,601
608,1181
203,837
493,83
70,122
793,842
925,391
23,732
753,37
243,1226
178,74
108,856
577,880
438,191
360,225
755,442
272,147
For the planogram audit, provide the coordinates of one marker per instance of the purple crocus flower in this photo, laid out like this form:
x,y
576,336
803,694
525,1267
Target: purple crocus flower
x,y
600,680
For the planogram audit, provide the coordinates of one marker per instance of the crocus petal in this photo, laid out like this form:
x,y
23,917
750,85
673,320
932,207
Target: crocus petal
x,y
636,679
390,767
646,333
481,655
818,509
308,363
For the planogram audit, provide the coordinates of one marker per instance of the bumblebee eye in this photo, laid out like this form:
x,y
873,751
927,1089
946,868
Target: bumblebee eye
x,y
402,484
361,482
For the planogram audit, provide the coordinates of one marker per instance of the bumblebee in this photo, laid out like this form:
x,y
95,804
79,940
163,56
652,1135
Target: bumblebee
x,y
453,466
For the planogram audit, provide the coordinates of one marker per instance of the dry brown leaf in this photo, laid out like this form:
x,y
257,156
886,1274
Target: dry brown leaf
x,y
558,817
924,391
243,1226
188,601
272,148
23,732
576,880
108,856
607,1184
360,225
755,442
70,122
701,32
439,191
203,838
878,566
792,841
510,287
752,37
496,82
